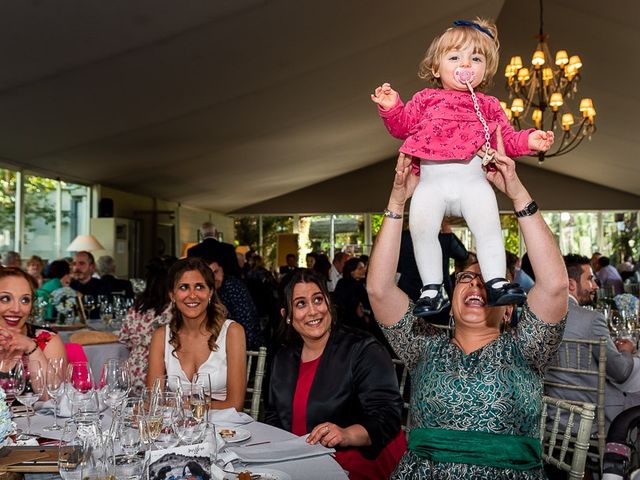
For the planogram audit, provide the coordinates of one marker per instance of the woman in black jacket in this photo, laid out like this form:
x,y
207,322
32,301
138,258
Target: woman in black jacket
x,y
336,384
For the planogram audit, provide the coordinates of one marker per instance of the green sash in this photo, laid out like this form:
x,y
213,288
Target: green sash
x,y
476,448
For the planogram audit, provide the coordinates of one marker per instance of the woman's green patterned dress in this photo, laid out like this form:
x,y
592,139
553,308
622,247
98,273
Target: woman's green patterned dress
x,y
497,389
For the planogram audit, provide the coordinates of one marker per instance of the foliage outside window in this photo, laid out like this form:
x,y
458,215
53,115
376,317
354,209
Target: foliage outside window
x,y
7,209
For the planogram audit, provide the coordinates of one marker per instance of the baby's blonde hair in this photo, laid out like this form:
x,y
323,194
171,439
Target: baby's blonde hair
x,y
459,37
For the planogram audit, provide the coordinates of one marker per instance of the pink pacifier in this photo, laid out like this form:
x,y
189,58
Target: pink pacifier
x,y
464,75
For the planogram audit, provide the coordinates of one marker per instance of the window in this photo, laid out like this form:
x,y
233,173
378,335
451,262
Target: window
x,y
7,210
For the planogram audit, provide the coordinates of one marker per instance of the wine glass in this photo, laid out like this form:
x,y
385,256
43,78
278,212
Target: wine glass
x,y
55,388
35,386
80,384
204,379
115,382
129,434
84,452
197,401
166,406
90,303
11,378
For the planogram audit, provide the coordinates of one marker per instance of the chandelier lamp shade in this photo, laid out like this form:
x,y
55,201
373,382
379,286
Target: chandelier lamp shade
x,y
541,95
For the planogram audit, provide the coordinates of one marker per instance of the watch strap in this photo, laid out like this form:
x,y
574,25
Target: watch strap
x,y
529,209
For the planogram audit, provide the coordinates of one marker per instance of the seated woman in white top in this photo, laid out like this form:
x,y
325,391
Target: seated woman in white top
x,y
199,339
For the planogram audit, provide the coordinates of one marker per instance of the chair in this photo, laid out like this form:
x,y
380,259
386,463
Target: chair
x,y
556,443
254,379
405,389
576,358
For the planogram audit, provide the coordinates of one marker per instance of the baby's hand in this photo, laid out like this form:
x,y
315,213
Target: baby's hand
x,y
385,96
540,141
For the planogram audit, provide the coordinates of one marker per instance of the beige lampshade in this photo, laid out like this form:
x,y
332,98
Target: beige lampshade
x,y
86,243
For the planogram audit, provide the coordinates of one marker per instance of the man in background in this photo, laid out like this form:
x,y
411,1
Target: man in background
x,y
111,284
335,273
211,247
11,259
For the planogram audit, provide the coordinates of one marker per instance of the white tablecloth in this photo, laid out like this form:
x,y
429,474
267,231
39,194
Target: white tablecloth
x,y
315,468
98,354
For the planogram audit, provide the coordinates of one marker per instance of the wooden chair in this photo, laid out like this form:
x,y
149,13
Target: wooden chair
x,y
557,443
402,372
577,357
255,376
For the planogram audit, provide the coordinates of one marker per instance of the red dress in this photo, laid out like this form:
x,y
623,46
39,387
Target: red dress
x,y
350,459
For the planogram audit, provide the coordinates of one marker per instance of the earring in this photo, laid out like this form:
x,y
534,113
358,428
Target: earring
x,y
288,321
452,325
209,300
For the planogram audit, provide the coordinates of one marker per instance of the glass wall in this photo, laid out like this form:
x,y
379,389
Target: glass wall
x,y
7,210
612,233
53,213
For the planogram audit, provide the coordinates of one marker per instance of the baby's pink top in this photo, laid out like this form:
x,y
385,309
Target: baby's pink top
x,y
439,124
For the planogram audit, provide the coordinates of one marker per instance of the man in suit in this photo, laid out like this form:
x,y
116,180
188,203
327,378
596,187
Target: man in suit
x,y
586,324
210,247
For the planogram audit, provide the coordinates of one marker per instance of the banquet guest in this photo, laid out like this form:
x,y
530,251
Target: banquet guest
x,y
199,338
59,275
112,285
35,266
335,273
350,296
335,383
476,398
11,259
17,337
151,310
608,277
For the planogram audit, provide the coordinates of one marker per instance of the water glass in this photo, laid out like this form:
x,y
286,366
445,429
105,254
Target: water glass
x,y
84,452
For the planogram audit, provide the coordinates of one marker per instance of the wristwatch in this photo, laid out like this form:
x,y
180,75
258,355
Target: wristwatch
x,y
529,209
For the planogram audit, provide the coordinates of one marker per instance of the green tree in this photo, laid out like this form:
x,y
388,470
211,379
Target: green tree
x,y
38,204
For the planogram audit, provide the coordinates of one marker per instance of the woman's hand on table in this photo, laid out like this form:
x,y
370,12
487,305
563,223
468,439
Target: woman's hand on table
x,y
331,435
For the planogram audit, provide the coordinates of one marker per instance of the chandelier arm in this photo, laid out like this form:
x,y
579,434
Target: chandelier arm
x,y
558,153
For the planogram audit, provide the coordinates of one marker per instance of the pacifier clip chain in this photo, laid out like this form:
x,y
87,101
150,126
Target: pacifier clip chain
x,y
466,76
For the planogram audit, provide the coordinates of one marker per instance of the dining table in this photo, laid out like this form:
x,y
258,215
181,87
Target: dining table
x,y
320,467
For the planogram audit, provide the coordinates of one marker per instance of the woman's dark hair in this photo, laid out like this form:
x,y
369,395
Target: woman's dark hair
x,y
322,265
156,292
302,275
58,269
216,311
350,266
6,272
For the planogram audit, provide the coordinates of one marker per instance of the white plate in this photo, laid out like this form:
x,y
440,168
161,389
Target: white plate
x,y
240,435
265,474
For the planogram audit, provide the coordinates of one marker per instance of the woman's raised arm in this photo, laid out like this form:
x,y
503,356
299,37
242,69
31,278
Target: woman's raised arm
x,y
549,297
388,302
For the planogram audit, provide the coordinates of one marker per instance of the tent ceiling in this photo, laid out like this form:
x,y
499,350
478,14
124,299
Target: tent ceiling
x,y
223,104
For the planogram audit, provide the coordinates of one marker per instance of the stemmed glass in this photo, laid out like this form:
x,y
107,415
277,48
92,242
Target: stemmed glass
x,y
55,388
129,433
80,384
34,385
166,407
115,382
84,452
89,302
204,380
11,378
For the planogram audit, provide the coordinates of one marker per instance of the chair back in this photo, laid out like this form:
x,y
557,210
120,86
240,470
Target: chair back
x,y
402,372
584,364
558,441
255,375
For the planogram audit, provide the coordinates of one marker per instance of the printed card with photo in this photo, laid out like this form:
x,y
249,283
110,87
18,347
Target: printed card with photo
x,y
191,462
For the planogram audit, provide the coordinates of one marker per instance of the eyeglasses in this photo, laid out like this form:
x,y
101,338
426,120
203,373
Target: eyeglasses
x,y
467,277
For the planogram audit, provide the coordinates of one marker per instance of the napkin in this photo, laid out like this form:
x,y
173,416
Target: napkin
x,y
280,451
229,417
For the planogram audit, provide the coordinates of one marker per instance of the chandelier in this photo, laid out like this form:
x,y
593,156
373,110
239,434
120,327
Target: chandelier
x,y
540,93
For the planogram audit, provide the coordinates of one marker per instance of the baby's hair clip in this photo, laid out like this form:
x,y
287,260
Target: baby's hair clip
x,y
467,23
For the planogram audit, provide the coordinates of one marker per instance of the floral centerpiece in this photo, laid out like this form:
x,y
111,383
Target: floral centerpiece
x,y
627,305
65,301
6,425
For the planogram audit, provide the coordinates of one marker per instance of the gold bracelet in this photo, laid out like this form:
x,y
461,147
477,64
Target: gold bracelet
x,y
390,214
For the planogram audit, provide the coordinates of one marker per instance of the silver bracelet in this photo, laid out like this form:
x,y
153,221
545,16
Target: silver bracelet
x,y
390,214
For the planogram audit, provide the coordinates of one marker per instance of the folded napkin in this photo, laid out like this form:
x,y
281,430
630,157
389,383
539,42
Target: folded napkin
x,y
280,451
229,417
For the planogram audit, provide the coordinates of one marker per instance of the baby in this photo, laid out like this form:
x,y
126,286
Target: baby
x,y
442,129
